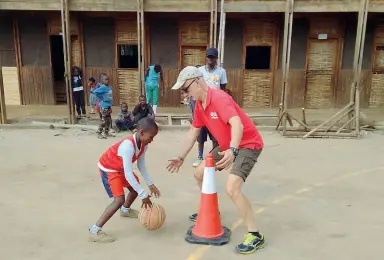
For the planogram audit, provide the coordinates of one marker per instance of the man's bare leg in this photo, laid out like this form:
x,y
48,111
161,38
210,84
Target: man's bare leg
x,y
253,239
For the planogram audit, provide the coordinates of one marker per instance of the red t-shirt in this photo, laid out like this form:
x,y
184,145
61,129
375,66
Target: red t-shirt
x,y
220,108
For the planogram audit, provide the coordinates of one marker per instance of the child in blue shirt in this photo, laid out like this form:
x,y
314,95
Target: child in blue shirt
x,y
104,94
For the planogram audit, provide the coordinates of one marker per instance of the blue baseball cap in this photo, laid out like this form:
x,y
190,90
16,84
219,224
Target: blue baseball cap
x,y
212,52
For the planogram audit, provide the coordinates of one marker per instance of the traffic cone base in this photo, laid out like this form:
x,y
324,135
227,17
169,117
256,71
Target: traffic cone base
x,y
208,229
219,241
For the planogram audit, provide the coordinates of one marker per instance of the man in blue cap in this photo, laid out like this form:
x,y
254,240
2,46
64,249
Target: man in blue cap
x,y
215,77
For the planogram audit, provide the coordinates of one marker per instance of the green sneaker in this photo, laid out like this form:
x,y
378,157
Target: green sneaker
x,y
250,244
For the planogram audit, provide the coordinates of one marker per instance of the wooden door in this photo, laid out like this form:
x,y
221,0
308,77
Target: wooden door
x,y
321,65
376,97
259,37
127,76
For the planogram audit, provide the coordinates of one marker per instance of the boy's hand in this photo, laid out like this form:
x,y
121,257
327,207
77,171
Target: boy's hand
x,y
154,190
146,202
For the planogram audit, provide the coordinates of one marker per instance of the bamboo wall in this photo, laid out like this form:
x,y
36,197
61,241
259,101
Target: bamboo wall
x,y
185,42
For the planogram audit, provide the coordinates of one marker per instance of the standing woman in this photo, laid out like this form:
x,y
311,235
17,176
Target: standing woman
x,y
153,81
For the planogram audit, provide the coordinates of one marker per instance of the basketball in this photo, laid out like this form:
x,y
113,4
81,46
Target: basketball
x,y
152,218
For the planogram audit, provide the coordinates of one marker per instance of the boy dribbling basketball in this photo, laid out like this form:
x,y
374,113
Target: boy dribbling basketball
x,y
115,167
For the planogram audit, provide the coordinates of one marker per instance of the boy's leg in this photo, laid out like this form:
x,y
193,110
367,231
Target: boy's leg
x,y
155,95
200,145
92,103
82,102
126,210
102,123
113,185
108,123
77,102
120,125
241,169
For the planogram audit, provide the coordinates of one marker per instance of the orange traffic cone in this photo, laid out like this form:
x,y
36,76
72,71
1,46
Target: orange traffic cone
x,y
208,229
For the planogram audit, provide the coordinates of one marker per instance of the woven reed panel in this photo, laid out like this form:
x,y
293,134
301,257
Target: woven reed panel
x,y
260,33
129,91
75,52
194,32
379,35
257,88
321,56
328,26
376,98
11,85
126,31
319,91
193,56
54,25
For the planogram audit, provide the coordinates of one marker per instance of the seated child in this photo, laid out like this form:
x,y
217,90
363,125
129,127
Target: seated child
x,y
124,119
92,97
116,174
142,110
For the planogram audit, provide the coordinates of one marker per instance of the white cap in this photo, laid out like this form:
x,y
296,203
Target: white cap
x,y
189,72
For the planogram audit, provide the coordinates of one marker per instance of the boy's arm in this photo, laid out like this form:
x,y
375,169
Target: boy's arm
x,y
126,152
131,116
143,168
100,90
134,111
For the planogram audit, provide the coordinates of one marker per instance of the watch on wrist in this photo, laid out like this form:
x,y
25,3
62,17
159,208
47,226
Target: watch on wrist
x,y
234,150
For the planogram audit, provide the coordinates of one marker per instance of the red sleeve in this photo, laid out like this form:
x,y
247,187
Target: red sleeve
x,y
226,108
197,123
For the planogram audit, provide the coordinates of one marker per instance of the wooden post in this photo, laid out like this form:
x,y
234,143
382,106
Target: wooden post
x,y
360,63
3,110
67,65
142,31
211,25
215,23
16,38
69,58
221,42
140,43
286,60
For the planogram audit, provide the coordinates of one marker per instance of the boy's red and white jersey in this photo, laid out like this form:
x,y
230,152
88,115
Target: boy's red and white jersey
x,y
110,161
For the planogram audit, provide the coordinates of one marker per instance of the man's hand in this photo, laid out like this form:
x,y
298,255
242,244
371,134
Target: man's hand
x,y
154,191
226,161
146,202
174,164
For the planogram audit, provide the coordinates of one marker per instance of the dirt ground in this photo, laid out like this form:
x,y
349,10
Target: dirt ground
x,y
315,199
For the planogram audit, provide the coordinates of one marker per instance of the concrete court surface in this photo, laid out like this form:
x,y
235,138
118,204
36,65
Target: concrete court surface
x,y
316,199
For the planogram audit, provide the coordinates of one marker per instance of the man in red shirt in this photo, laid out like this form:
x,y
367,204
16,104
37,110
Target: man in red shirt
x,y
240,144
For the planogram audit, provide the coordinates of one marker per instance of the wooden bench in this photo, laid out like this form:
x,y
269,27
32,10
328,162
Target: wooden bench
x,y
171,116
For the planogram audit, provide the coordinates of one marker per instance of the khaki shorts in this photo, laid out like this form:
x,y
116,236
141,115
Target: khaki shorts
x,y
244,161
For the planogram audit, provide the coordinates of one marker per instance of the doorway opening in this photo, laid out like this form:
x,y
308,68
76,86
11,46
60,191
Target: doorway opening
x,y
128,56
57,61
258,58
